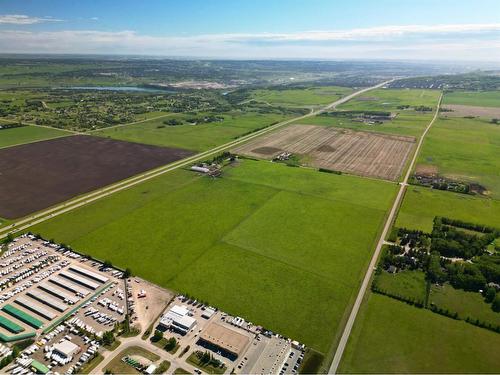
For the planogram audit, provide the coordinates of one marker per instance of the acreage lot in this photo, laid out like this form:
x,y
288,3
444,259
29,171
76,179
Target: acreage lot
x,y
392,337
361,153
282,247
38,175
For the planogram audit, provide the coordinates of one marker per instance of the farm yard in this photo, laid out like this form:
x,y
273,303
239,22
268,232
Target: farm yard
x,y
361,153
38,175
196,137
198,235
393,337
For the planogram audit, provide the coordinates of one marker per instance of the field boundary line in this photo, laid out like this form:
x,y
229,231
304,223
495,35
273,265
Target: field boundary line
x,y
373,262
64,207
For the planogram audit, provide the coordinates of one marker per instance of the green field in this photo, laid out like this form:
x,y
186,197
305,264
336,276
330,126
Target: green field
x,y
409,284
475,98
421,205
26,134
393,337
407,122
466,304
283,247
465,149
193,137
301,97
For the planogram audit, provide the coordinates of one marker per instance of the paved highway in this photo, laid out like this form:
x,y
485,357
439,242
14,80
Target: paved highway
x,y
125,184
369,272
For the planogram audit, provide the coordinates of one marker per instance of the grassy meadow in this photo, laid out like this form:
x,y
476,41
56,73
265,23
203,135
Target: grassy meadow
x,y
26,134
392,337
409,284
192,137
301,97
474,98
283,247
465,149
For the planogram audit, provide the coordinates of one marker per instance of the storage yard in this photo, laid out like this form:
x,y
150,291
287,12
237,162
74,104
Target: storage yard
x,y
41,174
360,153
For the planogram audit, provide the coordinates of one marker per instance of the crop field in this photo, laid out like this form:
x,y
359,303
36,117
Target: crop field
x,y
283,247
421,205
360,153
26,134
465,150
473,98
393,337
192,137
38,175
309,96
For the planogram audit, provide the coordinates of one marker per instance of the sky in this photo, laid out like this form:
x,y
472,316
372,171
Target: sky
x,y
458,30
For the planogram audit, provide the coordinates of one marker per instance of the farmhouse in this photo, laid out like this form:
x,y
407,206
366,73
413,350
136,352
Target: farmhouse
x,y
178,319
226,339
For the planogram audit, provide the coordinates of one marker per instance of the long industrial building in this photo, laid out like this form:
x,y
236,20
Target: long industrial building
x,y
47,300
58,293
79,280
37,309
85,272
22,316
69,286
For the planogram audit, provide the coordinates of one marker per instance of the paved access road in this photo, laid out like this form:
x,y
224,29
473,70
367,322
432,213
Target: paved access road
x,y
369,272
44,215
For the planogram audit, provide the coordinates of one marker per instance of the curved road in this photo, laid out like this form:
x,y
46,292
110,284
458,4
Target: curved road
x,y
369,272
125,184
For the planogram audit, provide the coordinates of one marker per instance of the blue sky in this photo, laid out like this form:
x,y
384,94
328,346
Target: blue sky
x,y
382,29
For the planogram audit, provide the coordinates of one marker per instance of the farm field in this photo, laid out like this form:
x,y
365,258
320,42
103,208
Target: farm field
x,y
301,97
360,153
26,134
473,98
406,122
198,235
464,150
457,110
421,205
466,304
41,174
192,137
393,337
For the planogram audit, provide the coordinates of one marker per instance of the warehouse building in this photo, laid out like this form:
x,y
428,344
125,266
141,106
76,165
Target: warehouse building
x,y
65,349
231,343
178,319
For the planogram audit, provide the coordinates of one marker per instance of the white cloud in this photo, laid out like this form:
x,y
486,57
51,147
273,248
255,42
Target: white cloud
x,y
94,18
462,41
22,19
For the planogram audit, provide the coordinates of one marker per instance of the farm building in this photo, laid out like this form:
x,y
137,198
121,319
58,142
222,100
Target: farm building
x,y
225,339
177,318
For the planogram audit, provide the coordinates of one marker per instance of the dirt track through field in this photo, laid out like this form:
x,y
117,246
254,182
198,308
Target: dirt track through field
x,y
38,175
362,153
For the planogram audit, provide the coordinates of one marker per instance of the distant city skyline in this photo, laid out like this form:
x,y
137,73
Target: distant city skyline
x,y
285,29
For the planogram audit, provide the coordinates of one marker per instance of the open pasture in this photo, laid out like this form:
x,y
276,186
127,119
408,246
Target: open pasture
x,y
465,150
198,137
361,153
283,247
300,97
26,134
473,98
41,174
392,337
